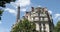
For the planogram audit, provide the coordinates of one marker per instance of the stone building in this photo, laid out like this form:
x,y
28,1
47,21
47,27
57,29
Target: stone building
x,y
40,16
42,19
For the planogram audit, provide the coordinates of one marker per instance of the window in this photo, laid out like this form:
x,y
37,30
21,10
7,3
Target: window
x,y
41,19
36,19
45,19
27,17
36,10
35,14
32,19
44,26
37,26
42,14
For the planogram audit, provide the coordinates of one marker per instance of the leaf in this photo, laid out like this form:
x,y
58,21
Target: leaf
x,y
25,26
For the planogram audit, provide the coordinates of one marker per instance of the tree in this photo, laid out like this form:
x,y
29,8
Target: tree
x,y
57,27
1,14
3,2
24,26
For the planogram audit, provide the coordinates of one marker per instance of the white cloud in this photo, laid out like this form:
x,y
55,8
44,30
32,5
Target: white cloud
x,y
4,29
39,6
0,22
14,11
50,11
22,3
59,18
11,10
57,15
24,9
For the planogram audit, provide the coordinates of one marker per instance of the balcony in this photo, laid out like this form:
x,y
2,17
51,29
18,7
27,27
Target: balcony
x,y
43,15
45,19
36,19
36,14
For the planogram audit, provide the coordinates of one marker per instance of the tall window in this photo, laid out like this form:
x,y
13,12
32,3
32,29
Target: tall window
x,y
32,18
33,15
37,26
36,19
44,27
27,17
36,14
40,27
43,15
41,19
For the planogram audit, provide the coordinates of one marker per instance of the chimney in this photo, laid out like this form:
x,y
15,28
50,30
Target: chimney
x,y
27,12
32,8
18,13
45,9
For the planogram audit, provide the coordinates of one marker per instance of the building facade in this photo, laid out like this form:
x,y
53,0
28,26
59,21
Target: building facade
x,y
42,19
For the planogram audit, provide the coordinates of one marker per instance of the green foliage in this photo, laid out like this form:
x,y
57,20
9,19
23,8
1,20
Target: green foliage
x,y
57,27
3,2
8,1
1,14
24,26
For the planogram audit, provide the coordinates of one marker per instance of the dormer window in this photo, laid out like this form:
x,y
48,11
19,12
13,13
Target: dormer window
x,y
27,17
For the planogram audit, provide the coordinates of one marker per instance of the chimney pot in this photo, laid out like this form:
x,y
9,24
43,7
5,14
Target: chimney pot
x,y
32,8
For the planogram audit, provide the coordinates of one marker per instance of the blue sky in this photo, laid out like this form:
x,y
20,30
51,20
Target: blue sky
x,y
9,14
